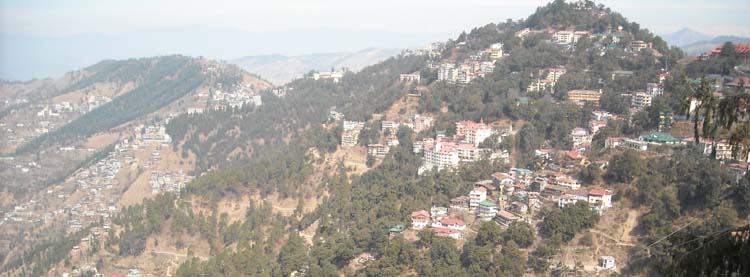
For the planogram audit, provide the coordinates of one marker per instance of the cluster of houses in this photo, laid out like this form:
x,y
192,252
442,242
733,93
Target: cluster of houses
x,y
431,50
95,101
444,152
602,41
152,133
389,130
507,198
334,76
168,182
236,98
548,83
478,65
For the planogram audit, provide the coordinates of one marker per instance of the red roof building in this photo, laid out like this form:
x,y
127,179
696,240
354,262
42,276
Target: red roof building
x,y
739,48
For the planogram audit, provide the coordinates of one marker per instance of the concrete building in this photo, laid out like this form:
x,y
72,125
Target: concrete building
x,y
582,96
640,100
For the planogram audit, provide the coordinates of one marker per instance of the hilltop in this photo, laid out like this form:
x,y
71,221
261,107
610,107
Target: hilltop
x,y
685,36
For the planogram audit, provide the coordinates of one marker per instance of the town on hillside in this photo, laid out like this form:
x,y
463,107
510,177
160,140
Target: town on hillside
x,y
569,143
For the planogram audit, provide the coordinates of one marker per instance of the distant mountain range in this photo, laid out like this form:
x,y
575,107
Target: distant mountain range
x,y
695,43
26,56
280,69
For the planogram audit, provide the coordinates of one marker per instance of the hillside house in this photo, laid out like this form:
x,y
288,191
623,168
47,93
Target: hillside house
x,y
596,125
438,213
410,78
599,199
638,45
460,202
496,51
377,150
476,196
487,210
450,223
420,219
505,218
580,136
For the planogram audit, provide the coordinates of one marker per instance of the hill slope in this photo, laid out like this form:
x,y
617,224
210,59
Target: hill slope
x,y
280,69
152,83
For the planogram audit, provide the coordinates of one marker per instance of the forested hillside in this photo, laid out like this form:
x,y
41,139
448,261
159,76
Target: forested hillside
x,y
157,83
359,95
690,211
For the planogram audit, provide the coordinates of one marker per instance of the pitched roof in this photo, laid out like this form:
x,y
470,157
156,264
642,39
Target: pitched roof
x,y
420,213
506,214
452,221
480,189
599,192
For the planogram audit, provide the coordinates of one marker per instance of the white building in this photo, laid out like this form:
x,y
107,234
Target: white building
x,y
476,196
496,51
440,156
580,136
473,133
410,78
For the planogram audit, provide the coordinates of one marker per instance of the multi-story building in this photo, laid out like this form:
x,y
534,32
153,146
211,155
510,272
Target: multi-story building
x,y
472,132
410,78
655,89
638,45
486,211
350,135
421,122
378,150
640,100
582,96
476,196
568,37
447,72
555,73
440,156
420,219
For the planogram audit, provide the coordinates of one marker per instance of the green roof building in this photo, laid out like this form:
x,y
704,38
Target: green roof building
x,y
397,229
659,137
487,204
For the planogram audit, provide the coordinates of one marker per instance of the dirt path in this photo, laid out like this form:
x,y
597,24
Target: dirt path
x,y
629,226
617,241
178,254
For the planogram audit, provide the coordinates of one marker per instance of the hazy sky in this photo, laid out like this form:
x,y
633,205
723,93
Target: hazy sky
x,y
45,38
76,17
